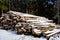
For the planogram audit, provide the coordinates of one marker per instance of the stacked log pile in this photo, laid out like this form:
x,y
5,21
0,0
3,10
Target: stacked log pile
x,y
15,22
5,22
23,28
26,23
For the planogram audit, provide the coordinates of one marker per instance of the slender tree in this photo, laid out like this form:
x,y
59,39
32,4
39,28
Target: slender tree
x,y
3,6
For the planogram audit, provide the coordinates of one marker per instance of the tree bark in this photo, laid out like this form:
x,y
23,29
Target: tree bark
x,y
0,12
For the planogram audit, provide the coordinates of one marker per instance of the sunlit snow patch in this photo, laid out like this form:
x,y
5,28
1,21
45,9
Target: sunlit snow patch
x,y
8,35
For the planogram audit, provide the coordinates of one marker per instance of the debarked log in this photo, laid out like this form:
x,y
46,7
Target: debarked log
x,y
49,34
36,32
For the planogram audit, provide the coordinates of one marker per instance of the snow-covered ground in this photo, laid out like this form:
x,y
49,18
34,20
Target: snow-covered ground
x,y
55,37
11,35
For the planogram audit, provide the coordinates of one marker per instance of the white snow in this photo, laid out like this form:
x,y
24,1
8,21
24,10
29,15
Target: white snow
x,y
11,35
55,37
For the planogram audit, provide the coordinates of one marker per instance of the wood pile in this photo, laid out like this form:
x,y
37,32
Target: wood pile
x,y
5,22
23,28
26,23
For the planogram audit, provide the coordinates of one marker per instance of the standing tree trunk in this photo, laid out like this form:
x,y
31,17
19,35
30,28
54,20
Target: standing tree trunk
x,y
0,12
